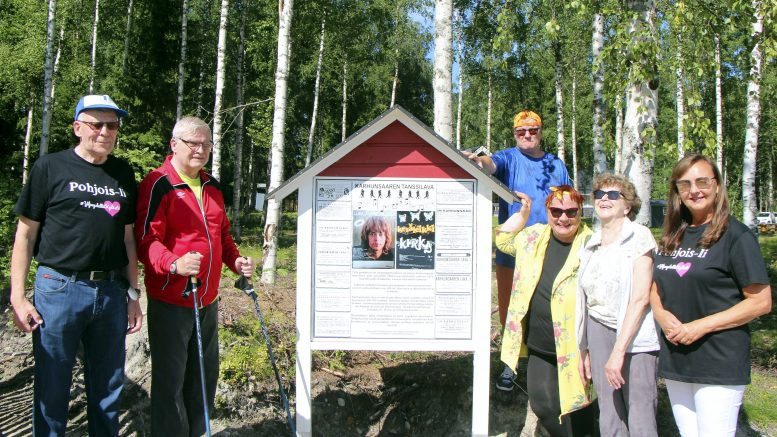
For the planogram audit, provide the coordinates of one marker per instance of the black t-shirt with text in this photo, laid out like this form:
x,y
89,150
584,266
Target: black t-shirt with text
x,y
82,209
694,283
539,326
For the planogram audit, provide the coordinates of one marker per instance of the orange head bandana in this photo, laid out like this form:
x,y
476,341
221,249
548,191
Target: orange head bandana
x,y
527,118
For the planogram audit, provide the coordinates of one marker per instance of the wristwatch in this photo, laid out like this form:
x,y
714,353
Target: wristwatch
x,y
173,268
132,293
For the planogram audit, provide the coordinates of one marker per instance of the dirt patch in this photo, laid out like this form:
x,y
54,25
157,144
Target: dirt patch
x,y
361,393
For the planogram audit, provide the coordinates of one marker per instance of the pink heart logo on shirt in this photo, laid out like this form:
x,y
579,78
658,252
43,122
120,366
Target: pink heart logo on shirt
x,y
682,268
111,208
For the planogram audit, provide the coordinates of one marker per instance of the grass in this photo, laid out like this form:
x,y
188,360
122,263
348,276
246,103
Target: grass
x,y
760,402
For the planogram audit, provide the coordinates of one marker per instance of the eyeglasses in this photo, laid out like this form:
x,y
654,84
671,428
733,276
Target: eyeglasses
x,y
194,146
556,212
704,183
612,195
98,125
532,131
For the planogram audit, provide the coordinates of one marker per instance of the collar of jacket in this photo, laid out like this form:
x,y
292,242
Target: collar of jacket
x,y
172,173
626,232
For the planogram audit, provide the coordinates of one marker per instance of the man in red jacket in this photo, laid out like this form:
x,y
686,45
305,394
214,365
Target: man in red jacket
x,y
183,234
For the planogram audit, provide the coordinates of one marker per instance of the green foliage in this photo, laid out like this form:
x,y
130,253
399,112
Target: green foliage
x,y
244,357
9,191
244,354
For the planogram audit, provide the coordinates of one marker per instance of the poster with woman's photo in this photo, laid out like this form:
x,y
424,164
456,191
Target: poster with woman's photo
x,y
373,240
415,240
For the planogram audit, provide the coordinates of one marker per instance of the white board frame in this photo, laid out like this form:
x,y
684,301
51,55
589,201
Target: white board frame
x,y
481,315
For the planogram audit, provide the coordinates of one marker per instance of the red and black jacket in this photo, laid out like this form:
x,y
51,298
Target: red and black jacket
x,y
170,223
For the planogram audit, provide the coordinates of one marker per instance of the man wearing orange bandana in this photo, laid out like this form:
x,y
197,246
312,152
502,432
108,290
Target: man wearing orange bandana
x,y
528,169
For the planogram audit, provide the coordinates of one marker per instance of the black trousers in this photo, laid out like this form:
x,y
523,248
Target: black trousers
x,y
542,385
176,393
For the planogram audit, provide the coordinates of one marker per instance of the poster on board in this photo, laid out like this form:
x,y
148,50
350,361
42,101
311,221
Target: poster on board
x,y
393,258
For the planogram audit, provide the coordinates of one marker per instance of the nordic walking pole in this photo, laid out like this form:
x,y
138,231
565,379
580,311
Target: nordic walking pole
x,y
248,289
193,283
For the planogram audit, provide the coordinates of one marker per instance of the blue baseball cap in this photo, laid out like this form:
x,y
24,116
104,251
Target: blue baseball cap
x,y
98,102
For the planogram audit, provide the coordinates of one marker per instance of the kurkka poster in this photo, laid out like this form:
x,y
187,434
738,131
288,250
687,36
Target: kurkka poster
x,y
393,258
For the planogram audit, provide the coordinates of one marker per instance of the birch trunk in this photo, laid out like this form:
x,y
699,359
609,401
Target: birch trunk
x,y
395,80
597,43
127,38
753,120
201,81
718,105
48,74
559,104
56,63
488,115
27,137
574,132
251,192
271,226
316,91
461,82
217,115
344,101
94,45
770,196
443,99
182,60
679,75
619,140
641,114
239,123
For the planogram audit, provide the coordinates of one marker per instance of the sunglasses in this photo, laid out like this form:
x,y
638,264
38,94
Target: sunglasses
x,y
612,195
704,183
532,131
98,125
194,146
556,212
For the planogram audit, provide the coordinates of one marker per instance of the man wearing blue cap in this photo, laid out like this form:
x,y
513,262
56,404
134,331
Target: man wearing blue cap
x,y
75,217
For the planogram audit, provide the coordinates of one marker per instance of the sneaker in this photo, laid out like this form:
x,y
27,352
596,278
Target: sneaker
x,y
506,380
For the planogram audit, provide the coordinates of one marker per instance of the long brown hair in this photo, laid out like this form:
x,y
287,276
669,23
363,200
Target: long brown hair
x,y
678,217
376,224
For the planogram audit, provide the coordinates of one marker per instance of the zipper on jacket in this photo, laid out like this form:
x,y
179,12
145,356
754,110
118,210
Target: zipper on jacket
x,y
200,204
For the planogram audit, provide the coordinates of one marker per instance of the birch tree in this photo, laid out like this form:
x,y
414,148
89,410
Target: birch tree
x,y
271,227
597,43
443,61
718,105
94,45
316,91
182,60
680,77
559,100
460,53
217,114
27,137
618,167
206,31
240,121
749,205
127,34
489,103
344,102
640,121
573,132
48,70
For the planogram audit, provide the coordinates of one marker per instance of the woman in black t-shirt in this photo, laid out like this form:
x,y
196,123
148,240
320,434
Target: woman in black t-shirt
x,y
710,280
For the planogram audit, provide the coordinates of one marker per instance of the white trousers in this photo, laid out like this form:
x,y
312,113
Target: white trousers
x,y
704,410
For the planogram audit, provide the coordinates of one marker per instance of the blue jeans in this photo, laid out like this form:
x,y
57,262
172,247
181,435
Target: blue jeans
x,y
75,311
